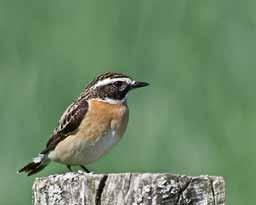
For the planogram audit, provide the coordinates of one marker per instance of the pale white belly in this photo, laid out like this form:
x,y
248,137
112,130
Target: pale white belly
x,y
94,150
81,152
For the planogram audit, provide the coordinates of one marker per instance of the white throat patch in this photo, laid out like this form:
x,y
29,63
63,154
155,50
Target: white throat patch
x,y
113,101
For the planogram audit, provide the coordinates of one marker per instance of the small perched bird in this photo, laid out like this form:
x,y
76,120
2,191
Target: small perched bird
x,y
90,126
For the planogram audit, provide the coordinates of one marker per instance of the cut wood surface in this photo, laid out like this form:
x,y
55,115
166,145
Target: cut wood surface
x,y
128,188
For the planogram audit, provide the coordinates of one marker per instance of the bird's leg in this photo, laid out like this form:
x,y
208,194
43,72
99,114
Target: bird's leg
x,y
69,167
85,169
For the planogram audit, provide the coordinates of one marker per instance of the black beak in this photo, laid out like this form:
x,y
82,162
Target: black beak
x,y
138,84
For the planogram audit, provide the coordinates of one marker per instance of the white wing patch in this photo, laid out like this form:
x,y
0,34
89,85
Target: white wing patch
x,y
39,158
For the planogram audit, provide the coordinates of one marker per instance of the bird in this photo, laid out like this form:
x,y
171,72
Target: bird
x,y
90,125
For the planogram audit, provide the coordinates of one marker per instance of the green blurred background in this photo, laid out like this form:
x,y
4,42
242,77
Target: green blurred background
x,y
197,117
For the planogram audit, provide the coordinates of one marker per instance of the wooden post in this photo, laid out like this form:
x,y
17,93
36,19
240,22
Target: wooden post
x,y
128,189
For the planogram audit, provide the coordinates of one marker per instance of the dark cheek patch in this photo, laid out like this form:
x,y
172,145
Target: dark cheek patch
x,y
112,92
124,88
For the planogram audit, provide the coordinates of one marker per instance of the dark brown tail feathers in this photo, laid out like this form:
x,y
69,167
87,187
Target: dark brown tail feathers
x,y
37,165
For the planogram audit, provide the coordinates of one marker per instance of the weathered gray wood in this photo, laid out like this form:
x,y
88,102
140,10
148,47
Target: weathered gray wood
x,y
128,188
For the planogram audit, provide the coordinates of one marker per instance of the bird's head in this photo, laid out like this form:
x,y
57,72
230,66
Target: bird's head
x,y
113,87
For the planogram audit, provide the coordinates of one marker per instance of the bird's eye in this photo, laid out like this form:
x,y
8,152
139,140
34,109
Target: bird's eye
x,y
118,84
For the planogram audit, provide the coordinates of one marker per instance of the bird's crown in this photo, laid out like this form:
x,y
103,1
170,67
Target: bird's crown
x,y
108,78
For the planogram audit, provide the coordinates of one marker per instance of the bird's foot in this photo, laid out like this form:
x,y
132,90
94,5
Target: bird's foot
x,y
69,168
85,169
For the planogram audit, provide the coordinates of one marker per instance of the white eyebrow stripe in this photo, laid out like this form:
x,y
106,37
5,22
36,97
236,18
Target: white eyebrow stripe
x,y
109,81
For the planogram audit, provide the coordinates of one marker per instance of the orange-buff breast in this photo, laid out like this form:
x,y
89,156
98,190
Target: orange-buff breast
x,y
103,126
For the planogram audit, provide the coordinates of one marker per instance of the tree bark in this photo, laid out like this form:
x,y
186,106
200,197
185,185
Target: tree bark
x,y
128,189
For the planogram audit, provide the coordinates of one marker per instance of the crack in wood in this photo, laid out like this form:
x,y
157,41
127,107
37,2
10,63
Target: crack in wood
x,y
129,183
180,193
100,189
213,192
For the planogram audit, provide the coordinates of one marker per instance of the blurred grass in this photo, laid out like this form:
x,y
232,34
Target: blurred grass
x,y
198,116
